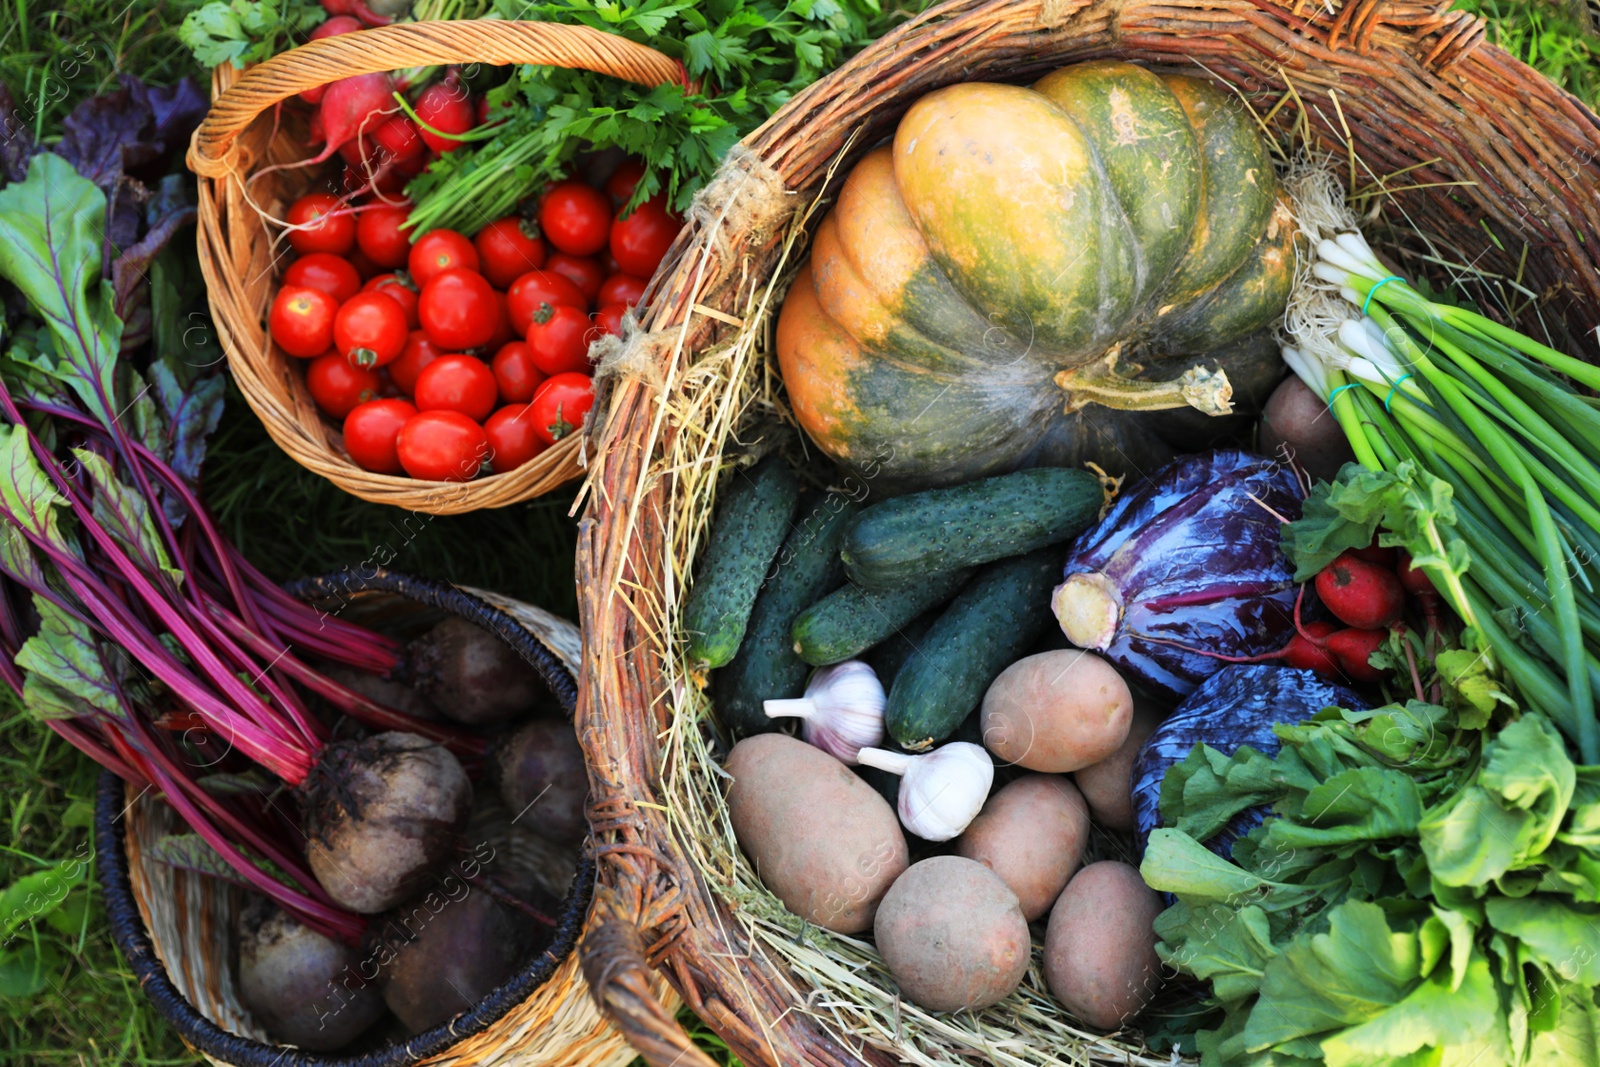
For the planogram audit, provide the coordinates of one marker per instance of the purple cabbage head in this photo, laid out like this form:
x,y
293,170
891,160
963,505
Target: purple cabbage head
x,y
1185,563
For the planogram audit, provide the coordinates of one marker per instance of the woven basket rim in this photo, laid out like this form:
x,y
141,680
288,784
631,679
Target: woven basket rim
x,y
133,938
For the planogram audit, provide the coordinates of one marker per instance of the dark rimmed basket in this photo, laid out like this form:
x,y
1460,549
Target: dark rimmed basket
x,y
1498,166
175,927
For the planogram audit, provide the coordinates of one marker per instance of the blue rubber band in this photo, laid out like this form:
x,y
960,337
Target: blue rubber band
x,y
1335,394
1392,388
1381,283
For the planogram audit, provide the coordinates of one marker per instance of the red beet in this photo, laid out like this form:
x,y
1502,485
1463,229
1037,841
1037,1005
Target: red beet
x,y
1361,594
540,772
1304,652
1354,648
300,985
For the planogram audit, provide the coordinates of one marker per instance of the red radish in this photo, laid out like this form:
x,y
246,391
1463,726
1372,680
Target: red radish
x,y
1354,648
329,28
351,102
1383,557
1305,652
446,107
357,8
1361,594
1414,579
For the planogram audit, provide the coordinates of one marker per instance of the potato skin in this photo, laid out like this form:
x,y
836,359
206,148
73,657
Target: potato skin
x,y
1297,417
822,839
952,935
1056,711
1107,786
1100,947
1031,833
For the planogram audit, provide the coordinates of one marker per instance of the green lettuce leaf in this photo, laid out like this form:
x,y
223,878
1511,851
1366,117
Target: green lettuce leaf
x,y
1558,933
1433,1015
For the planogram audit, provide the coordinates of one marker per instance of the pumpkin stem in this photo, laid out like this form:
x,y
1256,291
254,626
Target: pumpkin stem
x,y
1100,383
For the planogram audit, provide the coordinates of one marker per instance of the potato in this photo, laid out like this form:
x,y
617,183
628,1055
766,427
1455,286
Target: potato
x,y
952,935
1297,417
1031,833
1108,785
1100,947
821,838
1056,711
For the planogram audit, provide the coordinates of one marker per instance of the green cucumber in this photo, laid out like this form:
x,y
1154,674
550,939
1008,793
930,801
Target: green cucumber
x,y
988,627
902,541
750,526
887,657
766,667
851,620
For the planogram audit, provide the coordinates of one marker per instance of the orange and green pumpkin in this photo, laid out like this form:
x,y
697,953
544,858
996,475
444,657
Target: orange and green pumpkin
x,y
1019,254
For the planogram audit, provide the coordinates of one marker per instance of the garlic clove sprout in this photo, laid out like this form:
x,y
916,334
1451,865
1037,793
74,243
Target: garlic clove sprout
x,y
942,791
842,711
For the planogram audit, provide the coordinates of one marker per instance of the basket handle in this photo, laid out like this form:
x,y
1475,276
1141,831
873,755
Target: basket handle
x,y
414,44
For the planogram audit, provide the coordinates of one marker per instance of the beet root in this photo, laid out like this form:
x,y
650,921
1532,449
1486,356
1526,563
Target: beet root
x,y
472,675
304,988
390,694
382,815
540,772
457,955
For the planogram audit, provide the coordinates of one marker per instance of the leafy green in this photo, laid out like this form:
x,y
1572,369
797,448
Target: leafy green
x,y
246,31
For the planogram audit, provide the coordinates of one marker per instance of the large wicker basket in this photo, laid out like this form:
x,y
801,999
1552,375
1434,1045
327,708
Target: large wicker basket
x,y
1494,165
245,131
175,927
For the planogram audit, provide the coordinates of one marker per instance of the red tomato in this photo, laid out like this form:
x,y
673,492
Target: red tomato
x,y
622,289
441,446
440,250
642,239
516,376
559,406
503,333
447,108
559,340
609,262
301,321
370,431
608,320
457,383
316,229
414,357
583,271
398,289
575,218
364,266
396,139
459,310
386,384
325,271
537,289
379,234
370,330
509,248
337,387
328,28
512,441
624,180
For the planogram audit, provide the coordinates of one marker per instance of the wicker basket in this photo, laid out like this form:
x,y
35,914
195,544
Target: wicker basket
x,y
1496,165
239,251
175,927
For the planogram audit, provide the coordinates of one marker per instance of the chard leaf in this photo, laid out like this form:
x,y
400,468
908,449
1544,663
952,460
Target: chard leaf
x,y
1471,690
1228,947
50,227
66,655
1472,839
1433,1015
191,852
1526,766
1336,517
1459,932
1575,1041
124,513
1176,863
191,407
26,493
1358,805
1563,936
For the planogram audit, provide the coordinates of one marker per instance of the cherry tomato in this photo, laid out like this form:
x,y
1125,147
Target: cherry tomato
x,y
559,340
583,271
386,383
441,446
440,250
509,248
414,357
399,289
332,274
624,180
458,310
301,321
622,289
370,330
328,28
609,262
447,108
370,431
536,289
397,138
457,383
642,239
337,387
503,333
576,218
512,441
516,376
559,406
320,230
365,268
608,320
379,234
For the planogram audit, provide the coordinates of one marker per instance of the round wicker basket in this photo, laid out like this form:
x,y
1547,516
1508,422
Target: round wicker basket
x,y
1458,152
175,927
240,249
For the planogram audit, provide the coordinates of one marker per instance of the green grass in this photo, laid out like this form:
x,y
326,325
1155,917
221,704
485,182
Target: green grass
x,y
87,1009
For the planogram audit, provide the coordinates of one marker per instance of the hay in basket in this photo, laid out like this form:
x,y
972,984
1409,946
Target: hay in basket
x,y
1457,153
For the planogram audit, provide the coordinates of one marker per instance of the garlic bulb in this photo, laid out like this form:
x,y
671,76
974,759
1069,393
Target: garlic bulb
x,y
842,709
941,791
